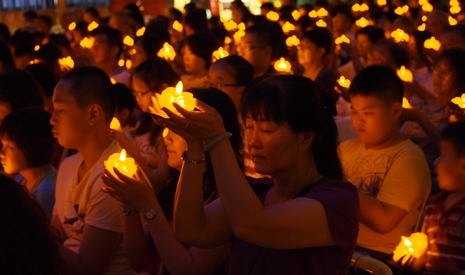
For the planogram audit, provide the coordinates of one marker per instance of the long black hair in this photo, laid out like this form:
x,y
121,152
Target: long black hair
x,y
295,100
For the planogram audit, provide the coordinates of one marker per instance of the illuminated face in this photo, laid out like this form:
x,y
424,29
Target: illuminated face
x,y
253,52
308,52
101,49
220,77
412,49
69,122
13,160
192,63
142,93
444,79
175,145
373,120
449,168
138,55
363,45
273,147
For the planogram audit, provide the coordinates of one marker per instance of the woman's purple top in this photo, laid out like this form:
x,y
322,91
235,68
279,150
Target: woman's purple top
x,y
341,204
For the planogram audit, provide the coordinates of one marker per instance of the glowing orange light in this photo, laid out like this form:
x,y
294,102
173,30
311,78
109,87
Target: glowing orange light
x,y
72,26
405,74
140,31
432,43
282,66
344,82
220,53
167,52
92,26
292,41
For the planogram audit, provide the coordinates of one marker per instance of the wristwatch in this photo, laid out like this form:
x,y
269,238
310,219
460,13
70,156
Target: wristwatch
x,y
152,213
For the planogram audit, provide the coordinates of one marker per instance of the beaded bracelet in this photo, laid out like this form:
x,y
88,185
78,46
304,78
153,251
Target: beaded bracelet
x,y
215,140
128,212
185,158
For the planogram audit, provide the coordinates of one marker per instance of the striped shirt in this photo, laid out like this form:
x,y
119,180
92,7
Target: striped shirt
x,y
446,233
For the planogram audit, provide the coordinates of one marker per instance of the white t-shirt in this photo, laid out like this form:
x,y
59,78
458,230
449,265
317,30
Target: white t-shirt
x,y
81,203
397,175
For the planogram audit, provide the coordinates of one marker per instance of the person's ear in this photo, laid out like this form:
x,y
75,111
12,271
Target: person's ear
x,y
397,110
125,113
95,114
307,140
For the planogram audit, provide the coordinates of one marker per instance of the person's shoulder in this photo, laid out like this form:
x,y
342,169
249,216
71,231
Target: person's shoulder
x,y
336,185
409,149
71,162
351,144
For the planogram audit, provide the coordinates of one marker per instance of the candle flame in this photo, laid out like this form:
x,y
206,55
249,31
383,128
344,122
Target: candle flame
x,y
92,26
381,2
452,21
128,41
313,14
406,104
128,64
459,101
115,124
422,2
220,53
272,16
401,10
342,39
288,27
427,7
455,9
296,15
140,31
36,48
282,65
72,26
292,41
424,18
322,24
322,12
87,42
422,27
344,82
113,81
230,26
362,22
66,62
241,26
432,43
121,62
177,26
238,36
400,36
167,52
179,87
277,4
122,155
165,132
360,8
405,74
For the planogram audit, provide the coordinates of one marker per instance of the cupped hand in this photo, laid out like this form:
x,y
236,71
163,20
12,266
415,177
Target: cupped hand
x,y
194,126
131,192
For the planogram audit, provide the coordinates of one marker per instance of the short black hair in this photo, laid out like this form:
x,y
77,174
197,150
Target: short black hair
x,y
93,12
241,70
91,85
60,41
46,19
202,44
30,15
455,133
31,131
151,43
20,89
177,14
189,7
321,37
133,10
197,20
114,37
155,72
44,76
373,33
49,54
398,52
21,38
124,98
381,82
6,58
81,27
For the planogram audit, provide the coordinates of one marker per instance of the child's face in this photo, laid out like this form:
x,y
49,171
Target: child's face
x,y
374,121
450,168
13,160
142,93
70,123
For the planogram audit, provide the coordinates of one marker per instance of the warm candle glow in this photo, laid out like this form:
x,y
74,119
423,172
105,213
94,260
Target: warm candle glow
x,y
288,27
432,43
115,124
344,82
424,18
401,10
128,64
406,104
128,41
321,23
292,41
272,16
282,66
72,26
66,62
120,161
140,31
322,12
452,21
454,3
238,36
342,39
169,96
36,48
459,101
422,27
427,7
296,15
220,53
313,14
241,26
177,26
92,26
405,74
227,40
167,52
381,2
415,245
400,36
360,8
230,26
87,43
121,62
455,9
113,81
362,22
277,4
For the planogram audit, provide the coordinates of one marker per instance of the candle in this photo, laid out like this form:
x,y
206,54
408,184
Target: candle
x,y
415,245
168,97
313,14
227,40
277,4
115,124
120,161
113,81
406,104
238,36
362,22
401,10
405,74
432,43
360,8
288,27
342,39
140,31
282,66
92,26
177,26
322,12
427,7
167,52
241,26
220,53
424,18
400,36
87,43
344,82
121,62
128,64
381,2
296,15
322,24
422,27
452,21
36,48
459,101
66,63
72,26
454,3
422,2
128,41
455,9
272,16
230,25
292,41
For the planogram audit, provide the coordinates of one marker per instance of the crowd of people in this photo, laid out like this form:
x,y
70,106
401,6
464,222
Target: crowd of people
x,y
276,170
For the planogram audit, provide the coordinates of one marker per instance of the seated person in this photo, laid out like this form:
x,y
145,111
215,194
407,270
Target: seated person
x,y
389,171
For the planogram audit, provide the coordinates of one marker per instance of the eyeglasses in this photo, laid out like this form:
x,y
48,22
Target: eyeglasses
x,y
221,85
